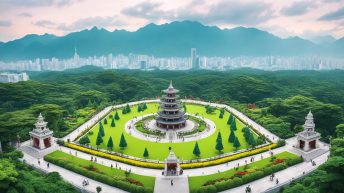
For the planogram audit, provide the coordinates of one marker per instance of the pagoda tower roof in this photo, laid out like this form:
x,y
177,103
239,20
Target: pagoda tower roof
x,y
170,89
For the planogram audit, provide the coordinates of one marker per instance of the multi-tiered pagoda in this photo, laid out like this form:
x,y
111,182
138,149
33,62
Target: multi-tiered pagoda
x,y
171,116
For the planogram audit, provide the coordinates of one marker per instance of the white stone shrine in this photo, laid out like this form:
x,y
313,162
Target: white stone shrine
x,y
41,136
308,139
172,167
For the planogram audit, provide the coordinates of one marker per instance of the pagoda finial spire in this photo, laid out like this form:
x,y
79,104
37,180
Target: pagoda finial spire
x,y
171,86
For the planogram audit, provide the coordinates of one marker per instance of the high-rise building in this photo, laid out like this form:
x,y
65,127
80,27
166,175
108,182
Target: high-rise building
x,y
193,59
7,77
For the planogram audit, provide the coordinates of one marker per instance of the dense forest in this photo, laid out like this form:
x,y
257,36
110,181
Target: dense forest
x,y
277,100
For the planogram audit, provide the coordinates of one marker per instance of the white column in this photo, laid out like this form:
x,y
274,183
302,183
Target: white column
x,y
306,145
41,143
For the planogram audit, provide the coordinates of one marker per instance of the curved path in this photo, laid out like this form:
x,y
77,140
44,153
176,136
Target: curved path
x,y
71,136
131,130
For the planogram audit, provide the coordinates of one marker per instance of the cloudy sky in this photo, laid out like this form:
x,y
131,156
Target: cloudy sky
x,y
284,18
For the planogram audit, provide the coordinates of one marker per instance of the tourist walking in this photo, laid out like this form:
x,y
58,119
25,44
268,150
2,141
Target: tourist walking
x,y
248,189
277,181
47,165
171,182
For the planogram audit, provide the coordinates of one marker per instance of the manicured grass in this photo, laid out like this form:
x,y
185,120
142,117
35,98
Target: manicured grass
x,y
159,151
198,181
147,181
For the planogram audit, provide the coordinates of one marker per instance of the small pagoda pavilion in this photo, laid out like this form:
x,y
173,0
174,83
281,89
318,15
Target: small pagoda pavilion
x,y
171,116
172,167
41,136
308,139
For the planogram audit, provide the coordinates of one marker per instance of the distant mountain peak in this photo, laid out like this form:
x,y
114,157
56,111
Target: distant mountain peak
x,y
322,40
165,40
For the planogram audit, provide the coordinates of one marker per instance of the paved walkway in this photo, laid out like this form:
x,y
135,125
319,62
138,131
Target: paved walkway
x,y
163,184
284,176
71,177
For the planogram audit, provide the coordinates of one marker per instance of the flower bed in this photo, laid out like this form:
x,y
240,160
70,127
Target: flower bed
x,y
228,158
121,182
147,164
238,177
115,157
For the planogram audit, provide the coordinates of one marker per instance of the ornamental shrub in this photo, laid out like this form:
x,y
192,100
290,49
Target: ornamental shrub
x,y
253,176
221,186
293,161
161,166
211,189
148,190
237,181
202,189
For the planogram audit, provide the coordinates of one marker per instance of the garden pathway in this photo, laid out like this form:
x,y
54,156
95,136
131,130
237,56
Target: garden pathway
x,y
163,184
284,176
71,177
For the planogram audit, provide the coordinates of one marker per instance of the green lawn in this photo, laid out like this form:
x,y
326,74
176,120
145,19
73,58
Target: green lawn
x,y
198,181
147,181
159,151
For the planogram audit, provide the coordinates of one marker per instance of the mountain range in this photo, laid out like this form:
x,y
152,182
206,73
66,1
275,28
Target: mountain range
x,y
171,39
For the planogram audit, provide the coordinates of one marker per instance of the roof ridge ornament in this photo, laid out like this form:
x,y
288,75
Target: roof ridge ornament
x,y
171,86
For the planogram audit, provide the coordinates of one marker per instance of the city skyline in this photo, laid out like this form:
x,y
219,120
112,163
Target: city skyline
x,y
194,61
307,19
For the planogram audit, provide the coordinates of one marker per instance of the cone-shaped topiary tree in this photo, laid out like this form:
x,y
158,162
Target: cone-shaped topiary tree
x,y
113,124
247,134
99,140
144,106
219,137
84,140
139,108
236,143
230,119
252,140
123,143
233,125
196,150
231,137
105,121
221,115
145,153
219,145
110,144
101,129
116,116
127,108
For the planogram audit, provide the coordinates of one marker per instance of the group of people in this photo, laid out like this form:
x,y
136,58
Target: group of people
x,y
272,178
95,159
85,182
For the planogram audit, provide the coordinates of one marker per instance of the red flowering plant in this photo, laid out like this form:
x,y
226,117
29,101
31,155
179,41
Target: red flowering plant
x,y
240,173
277,161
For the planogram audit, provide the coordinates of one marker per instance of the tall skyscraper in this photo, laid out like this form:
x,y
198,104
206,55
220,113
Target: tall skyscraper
x,y
194,62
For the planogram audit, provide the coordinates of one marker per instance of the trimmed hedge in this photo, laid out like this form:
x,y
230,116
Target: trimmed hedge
x,y
133,188
237,181
190,165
